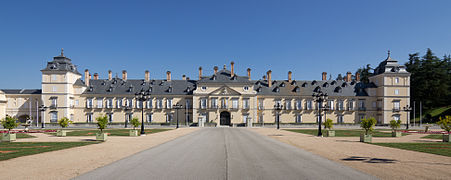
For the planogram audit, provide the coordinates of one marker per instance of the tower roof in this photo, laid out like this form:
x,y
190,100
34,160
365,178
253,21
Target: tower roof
x,y
61,63
389,65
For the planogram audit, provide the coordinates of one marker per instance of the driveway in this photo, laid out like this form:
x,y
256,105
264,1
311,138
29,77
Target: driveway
x,y
225,153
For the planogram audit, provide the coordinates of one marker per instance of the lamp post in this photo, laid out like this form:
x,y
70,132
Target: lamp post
x,y
319,97
42,108
177,107
143,97
278,107
407,109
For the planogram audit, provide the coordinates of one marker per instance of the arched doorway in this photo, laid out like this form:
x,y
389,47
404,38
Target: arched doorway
x,y
225,118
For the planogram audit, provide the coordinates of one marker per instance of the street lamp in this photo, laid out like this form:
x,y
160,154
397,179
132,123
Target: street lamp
x,y
177,107
407,109
320,97
278,107
42,108
143,97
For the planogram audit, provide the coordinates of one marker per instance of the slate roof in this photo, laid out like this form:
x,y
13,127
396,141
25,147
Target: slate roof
x,y
117,86
306,88
61,63
22,91
223,76
389,65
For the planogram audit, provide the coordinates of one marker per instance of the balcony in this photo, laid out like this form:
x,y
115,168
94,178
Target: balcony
x,y
396,109
53,106
362,108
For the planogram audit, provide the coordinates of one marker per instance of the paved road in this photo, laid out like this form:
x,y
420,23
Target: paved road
x,y
224,153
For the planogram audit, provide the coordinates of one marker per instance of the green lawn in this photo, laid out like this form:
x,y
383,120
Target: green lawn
x,y
112,132
433,136
23,135
439,148
17,149
343,133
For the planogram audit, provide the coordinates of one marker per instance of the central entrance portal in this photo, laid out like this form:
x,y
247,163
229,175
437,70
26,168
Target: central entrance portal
x,y
224,118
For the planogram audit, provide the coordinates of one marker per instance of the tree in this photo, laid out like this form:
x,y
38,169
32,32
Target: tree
x,y
395,124
102,122
328,124
135,122
365,73
445,123
9,123
64,122
368,124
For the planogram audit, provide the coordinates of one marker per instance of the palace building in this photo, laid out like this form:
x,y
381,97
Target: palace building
x,y
222,98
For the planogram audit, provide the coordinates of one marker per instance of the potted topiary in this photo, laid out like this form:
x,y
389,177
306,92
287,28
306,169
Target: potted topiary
x,y
9,123
135,122
395,124
367,124
445,124
102,122
64,123
329,125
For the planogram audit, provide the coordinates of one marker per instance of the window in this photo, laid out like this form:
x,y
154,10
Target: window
x,y
89,117
361,116
53,116
396,105
71,117
110,117
109,103
298,104
77,102
53,77
159,103
351,105
246,88
99,103
54,89
374,104
246,103
188,104
71,103
89,103
260,104
118,103
214,103
128,117
330,104
54,102
340,119
169,117
278,102
149,104
203,103
139,103
340,105
129,103
149,117
396,80
169,103
224,103
396,91
288,104
245,118
235,103
309,105
298,118
260,118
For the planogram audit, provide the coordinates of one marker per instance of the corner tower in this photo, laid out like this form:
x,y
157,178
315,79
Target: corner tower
x,y
393,90
58,79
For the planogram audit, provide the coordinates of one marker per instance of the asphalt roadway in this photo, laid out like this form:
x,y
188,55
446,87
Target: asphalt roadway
x,y
225,153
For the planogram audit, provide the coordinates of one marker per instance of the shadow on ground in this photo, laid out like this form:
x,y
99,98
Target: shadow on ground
x,y
370,160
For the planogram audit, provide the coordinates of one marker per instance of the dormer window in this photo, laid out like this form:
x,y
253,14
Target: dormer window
x,y
90,89
188,89
326,84
204,88
333,82
293,83
338,89
344,84
277,89
259,89
170,89
317,89
297,89
130,88
213,77
304,84
282,84
234,77
246,88
150,89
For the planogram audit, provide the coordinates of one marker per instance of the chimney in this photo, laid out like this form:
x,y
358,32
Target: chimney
x,y
324,76
249,73
269,78
231,69
200,73
289,76
264,77
216,69
147,76
357,76
183,77
87,77
124,75
168,76
110,75
348,76
96,76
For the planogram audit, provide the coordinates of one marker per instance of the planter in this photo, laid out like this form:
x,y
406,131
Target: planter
x,y
133,132
396,134
366,138
101,136
8,137
61,133
446,137
330,133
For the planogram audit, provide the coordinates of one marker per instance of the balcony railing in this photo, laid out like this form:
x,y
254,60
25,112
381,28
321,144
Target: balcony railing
x,y
396,109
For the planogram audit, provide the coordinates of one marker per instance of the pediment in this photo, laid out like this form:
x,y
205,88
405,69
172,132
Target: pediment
x,y
225,91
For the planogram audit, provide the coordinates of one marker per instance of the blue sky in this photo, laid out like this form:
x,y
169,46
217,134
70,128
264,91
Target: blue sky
x,y
306,37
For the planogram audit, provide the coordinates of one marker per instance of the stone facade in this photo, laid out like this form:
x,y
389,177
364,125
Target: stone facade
x,y
222,98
